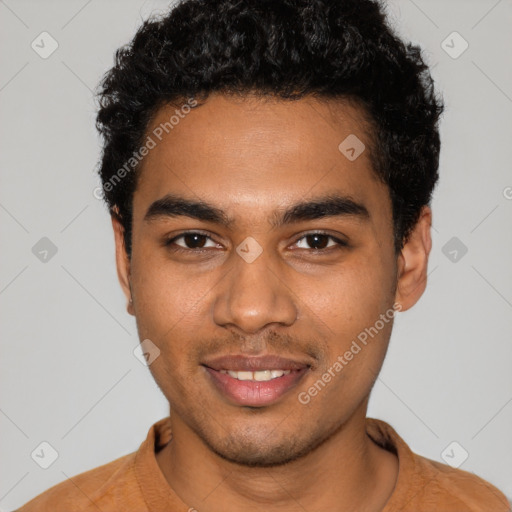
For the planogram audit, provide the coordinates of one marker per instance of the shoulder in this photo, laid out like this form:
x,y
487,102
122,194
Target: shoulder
x,y
425,485
450,488
87,490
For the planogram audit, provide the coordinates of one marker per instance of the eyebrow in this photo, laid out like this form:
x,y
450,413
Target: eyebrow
x,y
331,205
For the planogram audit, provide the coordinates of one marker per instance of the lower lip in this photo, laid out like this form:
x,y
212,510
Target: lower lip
x,y
255,393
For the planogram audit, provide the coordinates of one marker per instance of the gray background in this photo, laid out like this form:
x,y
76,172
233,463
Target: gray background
x,y
69,376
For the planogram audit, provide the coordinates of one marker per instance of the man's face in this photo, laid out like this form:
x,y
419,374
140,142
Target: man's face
x,y
283,292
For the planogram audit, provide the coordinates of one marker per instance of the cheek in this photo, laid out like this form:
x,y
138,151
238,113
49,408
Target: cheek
x,y
350,305
350,297
172,309
167,293
167,305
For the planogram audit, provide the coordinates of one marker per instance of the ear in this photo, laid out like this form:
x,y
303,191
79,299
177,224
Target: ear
x,y
413,262
122,261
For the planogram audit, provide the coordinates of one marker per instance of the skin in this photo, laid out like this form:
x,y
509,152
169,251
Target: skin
x,y
251,157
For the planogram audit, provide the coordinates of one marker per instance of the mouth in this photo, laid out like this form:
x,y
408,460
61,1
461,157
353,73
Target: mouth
x,y
259,376
255,381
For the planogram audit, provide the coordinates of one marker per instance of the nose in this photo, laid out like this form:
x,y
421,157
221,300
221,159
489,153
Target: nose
x,y
254,295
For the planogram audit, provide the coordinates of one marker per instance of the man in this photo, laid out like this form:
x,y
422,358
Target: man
x,y
268,166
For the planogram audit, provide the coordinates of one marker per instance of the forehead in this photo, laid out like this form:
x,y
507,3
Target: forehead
x,y
255,153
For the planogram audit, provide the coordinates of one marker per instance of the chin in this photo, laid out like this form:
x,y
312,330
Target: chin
x,y
256,458
261,451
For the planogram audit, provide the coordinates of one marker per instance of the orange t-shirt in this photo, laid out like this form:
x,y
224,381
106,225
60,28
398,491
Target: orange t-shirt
x,y
134,483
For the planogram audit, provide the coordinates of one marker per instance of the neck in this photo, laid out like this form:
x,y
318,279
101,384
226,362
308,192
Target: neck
x,y
347,472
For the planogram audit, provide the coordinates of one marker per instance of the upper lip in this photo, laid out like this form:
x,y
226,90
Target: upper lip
x,y
254,363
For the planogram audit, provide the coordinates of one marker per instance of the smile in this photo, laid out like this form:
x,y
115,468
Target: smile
x,y
259,376
254,388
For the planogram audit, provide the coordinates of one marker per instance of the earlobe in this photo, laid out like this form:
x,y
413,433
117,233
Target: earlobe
x,y
413,262
122,262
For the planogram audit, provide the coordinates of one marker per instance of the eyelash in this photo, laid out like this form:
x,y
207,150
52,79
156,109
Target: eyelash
x,y
168,243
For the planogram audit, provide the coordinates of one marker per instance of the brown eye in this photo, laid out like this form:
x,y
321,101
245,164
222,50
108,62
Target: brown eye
x,y
320,241
192,241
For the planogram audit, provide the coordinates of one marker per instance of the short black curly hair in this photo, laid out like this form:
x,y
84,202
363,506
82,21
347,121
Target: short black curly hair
x,y
288,49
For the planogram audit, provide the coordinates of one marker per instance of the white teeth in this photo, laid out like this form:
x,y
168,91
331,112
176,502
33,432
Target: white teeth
x,y
243,375
264,375
259,376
